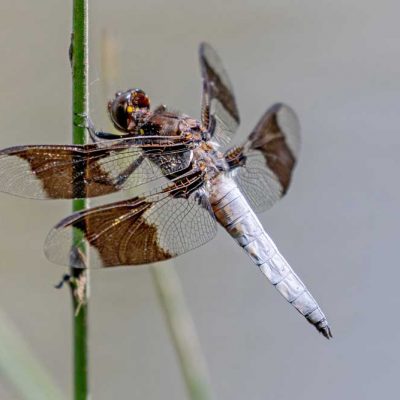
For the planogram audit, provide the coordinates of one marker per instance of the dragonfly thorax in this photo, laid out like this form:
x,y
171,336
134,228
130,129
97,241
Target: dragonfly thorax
x,y
210,160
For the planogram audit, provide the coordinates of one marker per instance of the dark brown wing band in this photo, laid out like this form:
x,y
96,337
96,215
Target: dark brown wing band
x,y
137,231
264,164
220,115
276,136
67,172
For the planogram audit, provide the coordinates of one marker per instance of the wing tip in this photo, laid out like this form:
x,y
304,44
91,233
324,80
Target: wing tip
x,y
206,51
288,123
283,108
59,247
203,46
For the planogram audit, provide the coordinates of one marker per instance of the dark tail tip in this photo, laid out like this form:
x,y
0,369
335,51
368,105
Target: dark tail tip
x,y
326,331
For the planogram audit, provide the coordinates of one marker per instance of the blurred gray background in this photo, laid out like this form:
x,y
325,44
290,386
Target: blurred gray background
x,y
337,64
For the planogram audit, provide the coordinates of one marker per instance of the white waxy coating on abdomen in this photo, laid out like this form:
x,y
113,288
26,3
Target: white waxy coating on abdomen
x,y
236,216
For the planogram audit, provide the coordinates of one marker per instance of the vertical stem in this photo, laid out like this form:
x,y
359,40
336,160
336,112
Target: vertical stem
x,y
182,332
20,366
80,277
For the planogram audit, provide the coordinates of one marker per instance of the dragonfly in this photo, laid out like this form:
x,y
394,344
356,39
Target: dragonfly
x,y
190,182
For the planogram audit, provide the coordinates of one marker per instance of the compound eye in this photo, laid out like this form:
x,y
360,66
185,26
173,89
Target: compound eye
x,y
120,116
140,99
118,113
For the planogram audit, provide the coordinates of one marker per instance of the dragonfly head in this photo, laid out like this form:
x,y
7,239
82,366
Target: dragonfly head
x,y
129,109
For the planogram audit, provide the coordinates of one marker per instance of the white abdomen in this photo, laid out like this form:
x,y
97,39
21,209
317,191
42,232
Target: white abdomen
x,y
235,215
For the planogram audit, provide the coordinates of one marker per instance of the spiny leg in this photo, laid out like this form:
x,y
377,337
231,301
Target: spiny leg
x,y
95,135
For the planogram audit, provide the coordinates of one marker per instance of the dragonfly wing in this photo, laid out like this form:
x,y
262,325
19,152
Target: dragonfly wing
x,y
73,171
263,166
220,115
138,231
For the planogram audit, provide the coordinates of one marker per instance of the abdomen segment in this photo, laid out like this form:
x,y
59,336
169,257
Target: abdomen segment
x,y
236,216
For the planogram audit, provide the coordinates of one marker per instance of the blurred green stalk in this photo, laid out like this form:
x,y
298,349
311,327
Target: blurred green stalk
x,y
80,277
182,331
19,365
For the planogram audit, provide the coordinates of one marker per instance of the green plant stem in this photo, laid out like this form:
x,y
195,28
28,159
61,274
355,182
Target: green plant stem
x,y
182,332
80,277
20,366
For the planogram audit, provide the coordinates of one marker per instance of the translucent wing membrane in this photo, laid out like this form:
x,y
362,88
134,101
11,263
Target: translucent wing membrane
x,y
142,230
219,114
263,166
66,172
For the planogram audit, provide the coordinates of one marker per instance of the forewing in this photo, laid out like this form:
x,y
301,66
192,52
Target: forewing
x,y
67,172
219,115
138,231
268,158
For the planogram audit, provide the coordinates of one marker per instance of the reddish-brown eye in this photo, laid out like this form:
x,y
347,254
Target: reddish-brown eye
x,y
140,99
128,109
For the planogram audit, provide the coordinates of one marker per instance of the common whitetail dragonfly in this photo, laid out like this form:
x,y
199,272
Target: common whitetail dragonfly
x,y
195,184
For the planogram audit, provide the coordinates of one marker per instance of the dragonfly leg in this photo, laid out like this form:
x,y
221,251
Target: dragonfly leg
x,y
65,279
78,118
95,135
87,123
99,135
